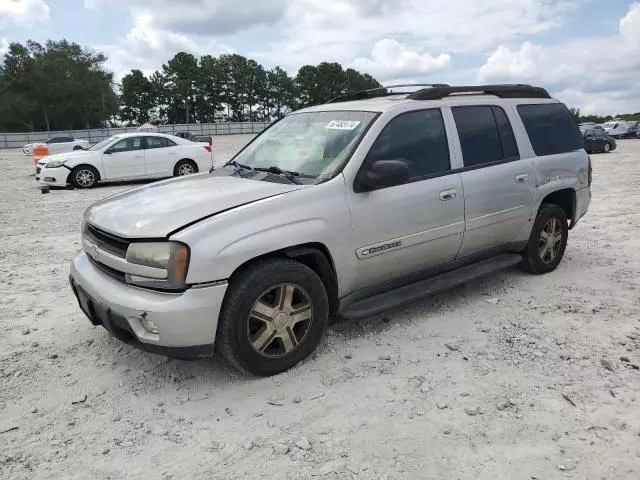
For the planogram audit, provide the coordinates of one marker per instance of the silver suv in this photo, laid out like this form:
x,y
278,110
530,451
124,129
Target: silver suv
x,y
369,202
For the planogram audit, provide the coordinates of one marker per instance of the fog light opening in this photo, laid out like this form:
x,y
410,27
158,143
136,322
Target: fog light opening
x,y
148,324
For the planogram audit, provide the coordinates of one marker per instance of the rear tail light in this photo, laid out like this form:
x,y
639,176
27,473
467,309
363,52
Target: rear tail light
x,y
207,148
590,172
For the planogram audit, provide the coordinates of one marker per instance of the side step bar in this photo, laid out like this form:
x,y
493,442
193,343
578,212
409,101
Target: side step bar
x,y
424,288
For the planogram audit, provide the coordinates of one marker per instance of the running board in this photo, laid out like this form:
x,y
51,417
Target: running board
x,y
424,288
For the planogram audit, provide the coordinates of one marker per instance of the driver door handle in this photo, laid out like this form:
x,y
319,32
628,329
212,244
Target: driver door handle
x,y
448,195
522,178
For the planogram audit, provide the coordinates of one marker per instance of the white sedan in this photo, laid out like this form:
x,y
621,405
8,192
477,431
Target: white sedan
x,y
125,157
58,145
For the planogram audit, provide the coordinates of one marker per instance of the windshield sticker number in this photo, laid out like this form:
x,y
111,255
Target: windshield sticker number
x,y
342,125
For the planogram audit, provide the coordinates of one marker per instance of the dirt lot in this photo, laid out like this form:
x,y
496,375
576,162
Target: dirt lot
x,y
513,377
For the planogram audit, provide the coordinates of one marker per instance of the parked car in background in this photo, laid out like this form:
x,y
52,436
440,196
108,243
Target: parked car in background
x,y
622,130
608,126
634,130
392,199
193,137
597,141
58,145
125,156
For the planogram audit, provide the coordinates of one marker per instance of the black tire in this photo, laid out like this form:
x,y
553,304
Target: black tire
x,y
245,289
606,148
84,176
183,166
532,259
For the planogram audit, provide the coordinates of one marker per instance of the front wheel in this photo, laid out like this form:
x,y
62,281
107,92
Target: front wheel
x,y
548,240
84,176
274,315
607,148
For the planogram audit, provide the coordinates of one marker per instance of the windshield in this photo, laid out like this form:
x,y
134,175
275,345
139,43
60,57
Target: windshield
x,y
103,143
610,125
311,144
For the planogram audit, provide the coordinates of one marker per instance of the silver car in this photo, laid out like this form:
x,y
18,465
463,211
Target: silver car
x,y
370,202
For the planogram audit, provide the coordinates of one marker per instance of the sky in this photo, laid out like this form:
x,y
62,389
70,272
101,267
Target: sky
x,y
586,52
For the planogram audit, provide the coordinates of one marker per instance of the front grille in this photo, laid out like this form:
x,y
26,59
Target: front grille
x,y
108,242
112,272
38,170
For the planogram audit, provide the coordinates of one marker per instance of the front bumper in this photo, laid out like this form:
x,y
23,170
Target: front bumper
x,y
54,177
186,321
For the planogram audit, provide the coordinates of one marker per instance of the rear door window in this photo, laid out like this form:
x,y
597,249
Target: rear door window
x,y
551,128
486,136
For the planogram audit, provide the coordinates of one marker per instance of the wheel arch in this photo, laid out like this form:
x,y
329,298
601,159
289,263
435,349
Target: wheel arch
x,y
186,159
565,198
314,255
75,167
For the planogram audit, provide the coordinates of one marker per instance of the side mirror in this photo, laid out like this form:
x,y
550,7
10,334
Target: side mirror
x,y
108,152
383,174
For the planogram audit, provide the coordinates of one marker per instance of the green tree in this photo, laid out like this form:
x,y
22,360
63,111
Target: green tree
x,y
180,74
280,94
138,98
59,85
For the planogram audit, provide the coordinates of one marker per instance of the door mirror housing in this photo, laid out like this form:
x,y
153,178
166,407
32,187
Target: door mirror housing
x,y
383,174
108,152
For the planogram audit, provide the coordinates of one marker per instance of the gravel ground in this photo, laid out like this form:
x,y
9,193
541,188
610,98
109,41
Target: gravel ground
x,y
513,377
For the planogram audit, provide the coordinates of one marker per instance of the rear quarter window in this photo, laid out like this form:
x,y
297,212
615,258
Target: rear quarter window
x,y
550,128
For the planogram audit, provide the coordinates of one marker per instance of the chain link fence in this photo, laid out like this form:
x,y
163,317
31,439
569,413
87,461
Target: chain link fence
x,y
18,140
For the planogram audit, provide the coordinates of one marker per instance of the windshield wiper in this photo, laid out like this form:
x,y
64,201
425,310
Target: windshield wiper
x,y
238,167
289,175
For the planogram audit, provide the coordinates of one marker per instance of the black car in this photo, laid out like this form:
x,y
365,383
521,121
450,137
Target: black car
x,y
597,141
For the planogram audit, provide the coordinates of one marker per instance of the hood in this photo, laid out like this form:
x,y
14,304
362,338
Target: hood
x,y
67,156
157,209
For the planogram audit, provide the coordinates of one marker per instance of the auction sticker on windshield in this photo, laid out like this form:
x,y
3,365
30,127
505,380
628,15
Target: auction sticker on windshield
x,y
342,124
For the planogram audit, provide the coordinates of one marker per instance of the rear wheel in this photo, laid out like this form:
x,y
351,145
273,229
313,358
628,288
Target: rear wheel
x,y
84,176
548,240
185,167
274,315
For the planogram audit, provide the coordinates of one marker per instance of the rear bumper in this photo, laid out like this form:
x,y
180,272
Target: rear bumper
x,y
186,322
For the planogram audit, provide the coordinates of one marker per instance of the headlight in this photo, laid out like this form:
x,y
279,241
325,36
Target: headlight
x,y
55,163
170,256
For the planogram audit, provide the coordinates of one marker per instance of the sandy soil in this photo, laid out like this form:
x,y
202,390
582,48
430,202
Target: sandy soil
x,y
513,377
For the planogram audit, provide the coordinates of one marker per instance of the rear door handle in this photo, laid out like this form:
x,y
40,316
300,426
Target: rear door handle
x,y
522,178
447,195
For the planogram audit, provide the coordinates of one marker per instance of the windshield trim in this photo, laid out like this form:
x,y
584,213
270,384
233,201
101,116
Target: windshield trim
x,y
338,170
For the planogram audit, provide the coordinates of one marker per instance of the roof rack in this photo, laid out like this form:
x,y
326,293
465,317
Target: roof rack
x,y
383,91
438,92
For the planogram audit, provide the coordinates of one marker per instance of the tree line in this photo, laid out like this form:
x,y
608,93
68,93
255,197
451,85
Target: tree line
x,y
598,119
61,85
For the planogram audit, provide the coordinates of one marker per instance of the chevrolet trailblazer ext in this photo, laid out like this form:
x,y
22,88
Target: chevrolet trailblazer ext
x,y
369,202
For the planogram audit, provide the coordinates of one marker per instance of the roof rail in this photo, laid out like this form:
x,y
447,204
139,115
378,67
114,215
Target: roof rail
x,y
382,92
502,91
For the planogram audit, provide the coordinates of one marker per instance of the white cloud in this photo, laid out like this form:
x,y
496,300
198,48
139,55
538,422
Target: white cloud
x,y
337,30
390,59
146,47
94,4
4,47
23,10
600,74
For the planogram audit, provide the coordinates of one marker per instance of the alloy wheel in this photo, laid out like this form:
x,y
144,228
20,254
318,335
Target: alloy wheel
x,y
550,240
85,178
185,169
280,320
